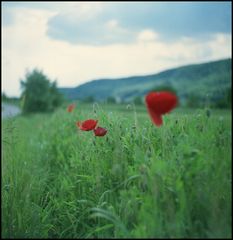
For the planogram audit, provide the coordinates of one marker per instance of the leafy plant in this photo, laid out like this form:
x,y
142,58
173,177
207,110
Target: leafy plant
x,y
39,94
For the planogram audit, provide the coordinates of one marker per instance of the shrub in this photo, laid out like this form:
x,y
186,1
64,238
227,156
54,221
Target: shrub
x,y
39,94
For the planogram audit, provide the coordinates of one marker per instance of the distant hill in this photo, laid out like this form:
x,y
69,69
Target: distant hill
x,y
212,79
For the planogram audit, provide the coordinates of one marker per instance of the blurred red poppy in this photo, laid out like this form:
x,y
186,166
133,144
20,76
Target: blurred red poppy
x,y
160,103
71,107
99,131
87,125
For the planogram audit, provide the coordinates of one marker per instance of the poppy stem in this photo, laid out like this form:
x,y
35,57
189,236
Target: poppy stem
x,y
135,116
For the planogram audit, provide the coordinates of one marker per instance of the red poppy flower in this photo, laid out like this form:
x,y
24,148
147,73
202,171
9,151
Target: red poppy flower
x,y
99,131
160,103
87,125
71,107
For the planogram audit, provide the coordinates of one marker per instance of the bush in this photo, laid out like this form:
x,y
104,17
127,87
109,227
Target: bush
x,y
4,97
111,100
39,94
193,101
164,88
89,99
225,100
138,100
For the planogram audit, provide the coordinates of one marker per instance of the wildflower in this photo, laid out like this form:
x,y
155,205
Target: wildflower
x,y
100,132
87,125
71,107
160,103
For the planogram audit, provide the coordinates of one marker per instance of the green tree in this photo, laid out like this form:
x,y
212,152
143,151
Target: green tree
x,y
225,100
111,100
193,101
138,100
4,97
39,94
164,88
228,97
89,99
56,97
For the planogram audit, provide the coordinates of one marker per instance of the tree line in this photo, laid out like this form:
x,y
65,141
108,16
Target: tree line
x,y
40,94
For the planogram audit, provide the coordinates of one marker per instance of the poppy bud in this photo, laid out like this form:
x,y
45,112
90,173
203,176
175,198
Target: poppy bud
x,y
100,132
71,107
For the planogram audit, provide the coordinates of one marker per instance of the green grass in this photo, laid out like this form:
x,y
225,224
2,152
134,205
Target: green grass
x,y
137,181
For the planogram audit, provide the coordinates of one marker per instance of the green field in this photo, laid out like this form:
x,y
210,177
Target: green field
x,y
138,181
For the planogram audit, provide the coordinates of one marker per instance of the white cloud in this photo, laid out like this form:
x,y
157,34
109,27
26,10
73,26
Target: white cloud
x,y
76,11
112,24
147,35
25,45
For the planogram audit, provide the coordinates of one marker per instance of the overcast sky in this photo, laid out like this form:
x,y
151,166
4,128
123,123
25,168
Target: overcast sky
x,y
75,42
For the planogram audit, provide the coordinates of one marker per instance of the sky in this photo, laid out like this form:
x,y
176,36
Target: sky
x,y
76,42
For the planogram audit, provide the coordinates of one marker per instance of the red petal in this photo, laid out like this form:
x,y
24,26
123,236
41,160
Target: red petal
x,y
87,125
99,131
156,118
161,102
79,124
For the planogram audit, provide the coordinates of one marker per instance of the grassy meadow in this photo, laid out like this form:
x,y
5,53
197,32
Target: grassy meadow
x,y
138,181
